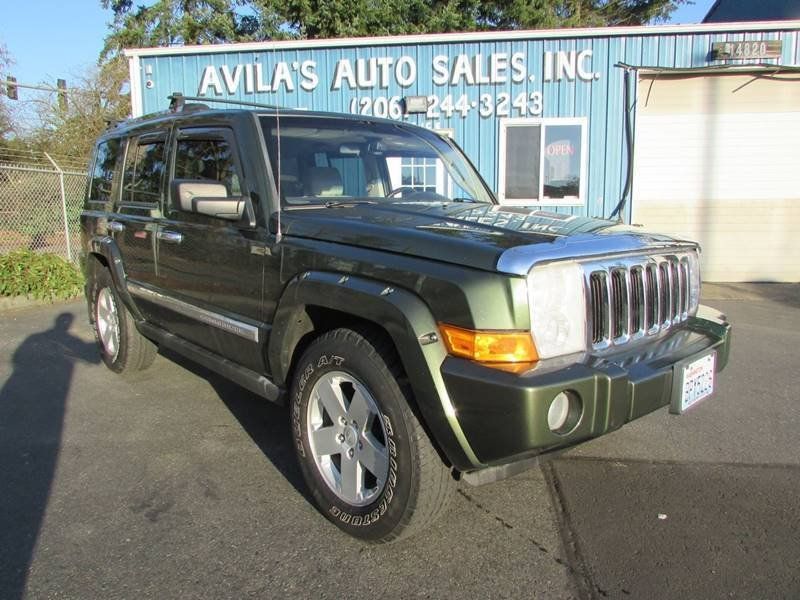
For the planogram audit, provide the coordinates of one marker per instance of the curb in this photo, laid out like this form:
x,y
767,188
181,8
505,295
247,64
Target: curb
x,y
15,303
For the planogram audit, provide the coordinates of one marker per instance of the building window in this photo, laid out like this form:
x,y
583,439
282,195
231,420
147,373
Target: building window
x,y
418,174
542,161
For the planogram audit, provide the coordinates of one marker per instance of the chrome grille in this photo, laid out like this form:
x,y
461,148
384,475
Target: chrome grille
x,y
640,297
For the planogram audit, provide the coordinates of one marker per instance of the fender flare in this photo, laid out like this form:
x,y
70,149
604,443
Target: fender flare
x,y
407,320
106,247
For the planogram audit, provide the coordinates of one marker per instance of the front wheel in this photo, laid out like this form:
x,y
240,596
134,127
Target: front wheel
x,y
367,460
122,347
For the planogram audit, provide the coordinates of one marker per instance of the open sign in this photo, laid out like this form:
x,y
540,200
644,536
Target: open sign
x,y
560,148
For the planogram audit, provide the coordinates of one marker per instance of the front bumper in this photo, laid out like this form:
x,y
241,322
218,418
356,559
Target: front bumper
x,y
504,416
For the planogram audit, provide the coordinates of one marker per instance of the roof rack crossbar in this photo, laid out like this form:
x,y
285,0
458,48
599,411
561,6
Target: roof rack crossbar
x,y
178,100
177,103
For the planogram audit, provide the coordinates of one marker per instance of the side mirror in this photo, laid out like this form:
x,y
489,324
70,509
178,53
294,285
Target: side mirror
x,y
209,198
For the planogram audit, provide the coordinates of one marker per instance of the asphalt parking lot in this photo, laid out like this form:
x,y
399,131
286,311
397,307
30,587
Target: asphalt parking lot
x,y
174,483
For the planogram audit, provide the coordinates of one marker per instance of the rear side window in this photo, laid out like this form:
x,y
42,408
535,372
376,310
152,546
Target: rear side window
x,y
103,173
144,168
210,159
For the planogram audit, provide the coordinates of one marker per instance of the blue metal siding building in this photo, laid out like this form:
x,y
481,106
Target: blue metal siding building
x,y
479,86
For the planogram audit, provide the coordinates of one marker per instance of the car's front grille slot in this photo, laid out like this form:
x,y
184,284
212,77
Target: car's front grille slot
x,y
641,297
598,290
684,285
664,295
651,296
676,291
637,301
619,304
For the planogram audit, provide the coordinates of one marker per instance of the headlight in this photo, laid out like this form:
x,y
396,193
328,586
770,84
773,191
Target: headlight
x,y
558,309
694,282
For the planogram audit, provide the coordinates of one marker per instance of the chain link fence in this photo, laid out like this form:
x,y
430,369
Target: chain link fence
x,y
41,198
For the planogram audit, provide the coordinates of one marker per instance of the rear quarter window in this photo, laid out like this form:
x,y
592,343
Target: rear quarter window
x,y
102,176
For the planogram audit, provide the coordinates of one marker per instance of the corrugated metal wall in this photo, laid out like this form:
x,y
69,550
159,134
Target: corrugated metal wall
x,y
600,97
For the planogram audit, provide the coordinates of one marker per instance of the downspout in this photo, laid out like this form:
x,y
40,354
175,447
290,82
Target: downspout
x,y
627,108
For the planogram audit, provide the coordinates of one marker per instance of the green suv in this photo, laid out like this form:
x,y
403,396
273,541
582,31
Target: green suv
x,y
360,271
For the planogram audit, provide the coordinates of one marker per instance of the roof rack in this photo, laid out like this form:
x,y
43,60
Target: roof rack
x,y
178,103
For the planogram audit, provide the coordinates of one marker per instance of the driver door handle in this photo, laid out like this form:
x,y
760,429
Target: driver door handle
x,y
173,237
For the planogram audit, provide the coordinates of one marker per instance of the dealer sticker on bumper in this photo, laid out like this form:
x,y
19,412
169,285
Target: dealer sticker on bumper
x,y
695,382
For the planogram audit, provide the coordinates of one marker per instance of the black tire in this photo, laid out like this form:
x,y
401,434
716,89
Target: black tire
x,y
131,351
418,486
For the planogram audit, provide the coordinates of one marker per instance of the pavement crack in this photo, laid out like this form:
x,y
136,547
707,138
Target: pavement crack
x,y
576,565
536,544
583,582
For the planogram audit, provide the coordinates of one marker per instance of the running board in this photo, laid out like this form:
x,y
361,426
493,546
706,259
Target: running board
x,y
250,380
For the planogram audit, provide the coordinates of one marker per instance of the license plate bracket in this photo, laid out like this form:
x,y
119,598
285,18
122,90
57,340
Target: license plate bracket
x,y
694,381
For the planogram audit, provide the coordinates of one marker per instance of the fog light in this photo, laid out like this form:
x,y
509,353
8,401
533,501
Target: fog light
x,y
564,413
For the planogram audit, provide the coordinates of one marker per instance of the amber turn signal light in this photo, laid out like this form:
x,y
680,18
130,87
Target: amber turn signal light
x,y
489,346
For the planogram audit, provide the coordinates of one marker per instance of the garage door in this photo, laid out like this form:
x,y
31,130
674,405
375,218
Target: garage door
x,y
717,160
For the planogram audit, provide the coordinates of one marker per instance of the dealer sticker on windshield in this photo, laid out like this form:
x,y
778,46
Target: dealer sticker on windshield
x,y
696,382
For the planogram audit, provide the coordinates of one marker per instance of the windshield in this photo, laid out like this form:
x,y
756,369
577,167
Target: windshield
x,y
330,161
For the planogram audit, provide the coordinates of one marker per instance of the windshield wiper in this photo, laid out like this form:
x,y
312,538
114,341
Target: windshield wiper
x,y
346,203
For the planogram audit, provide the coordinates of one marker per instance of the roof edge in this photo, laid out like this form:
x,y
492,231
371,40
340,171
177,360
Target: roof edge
x,y
439,38
727,69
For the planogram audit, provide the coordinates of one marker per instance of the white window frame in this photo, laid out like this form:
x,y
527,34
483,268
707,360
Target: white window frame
x,y
583,122
412,162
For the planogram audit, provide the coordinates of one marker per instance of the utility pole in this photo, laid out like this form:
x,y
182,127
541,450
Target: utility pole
x,y
61,84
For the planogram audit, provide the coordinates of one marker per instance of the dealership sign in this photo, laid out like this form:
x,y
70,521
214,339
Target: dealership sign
x,y
378,74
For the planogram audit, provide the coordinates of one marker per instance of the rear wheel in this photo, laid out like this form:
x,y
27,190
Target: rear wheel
x,y
122,347
367,460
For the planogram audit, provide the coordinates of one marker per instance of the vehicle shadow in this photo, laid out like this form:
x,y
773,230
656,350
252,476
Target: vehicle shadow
x,y
32,407
265,422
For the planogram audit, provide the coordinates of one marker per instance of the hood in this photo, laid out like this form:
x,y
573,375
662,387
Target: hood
x,y
482,236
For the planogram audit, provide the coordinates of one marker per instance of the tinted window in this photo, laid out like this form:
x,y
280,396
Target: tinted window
x,y
144,167
103,173
210,159
317,158
354,182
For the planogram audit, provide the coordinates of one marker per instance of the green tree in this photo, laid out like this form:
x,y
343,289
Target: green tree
x,y
93,100
339,18
169,22
177,22
6,121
